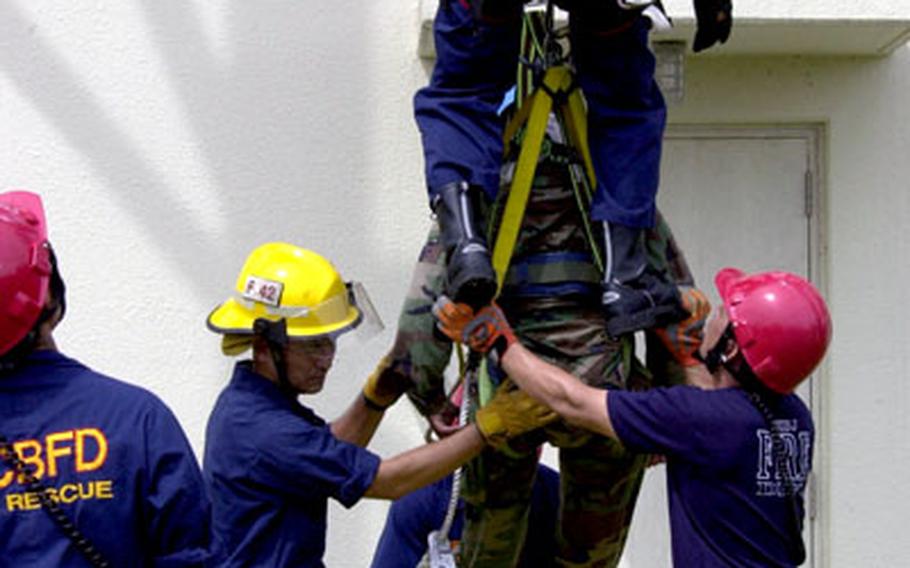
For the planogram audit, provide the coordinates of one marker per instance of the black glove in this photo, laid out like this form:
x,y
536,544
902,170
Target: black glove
x,y
714,19
497,11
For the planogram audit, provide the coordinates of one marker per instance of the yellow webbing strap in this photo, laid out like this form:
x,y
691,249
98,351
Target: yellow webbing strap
x,y
556,80
575,122
534,115
485,388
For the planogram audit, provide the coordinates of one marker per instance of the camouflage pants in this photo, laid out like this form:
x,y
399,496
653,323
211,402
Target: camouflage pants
x,y
599,479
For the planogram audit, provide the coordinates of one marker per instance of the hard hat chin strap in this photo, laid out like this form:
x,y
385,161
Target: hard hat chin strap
x,y
716,357
275,334
736,366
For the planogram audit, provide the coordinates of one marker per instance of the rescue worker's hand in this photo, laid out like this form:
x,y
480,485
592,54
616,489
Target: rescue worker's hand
x,y
682,339
385,385
446,421
714,19
452,318
496,11
510,413
485,330
656,459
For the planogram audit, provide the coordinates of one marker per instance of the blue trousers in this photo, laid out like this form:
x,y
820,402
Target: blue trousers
x,y
477,63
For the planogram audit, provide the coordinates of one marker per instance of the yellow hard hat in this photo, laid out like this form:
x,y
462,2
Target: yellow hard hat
x,y
283,281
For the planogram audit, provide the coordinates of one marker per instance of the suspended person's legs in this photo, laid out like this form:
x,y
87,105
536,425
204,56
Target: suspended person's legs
x,y
600,484
665,256
626,119
470,278
600,480
497,489
461,131
418,352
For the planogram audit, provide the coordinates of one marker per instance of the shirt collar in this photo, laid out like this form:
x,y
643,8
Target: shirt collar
x,y
247,380
46,357
40,361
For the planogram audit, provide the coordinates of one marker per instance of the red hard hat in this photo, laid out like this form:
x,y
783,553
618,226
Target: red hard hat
x,y
780,322
25,266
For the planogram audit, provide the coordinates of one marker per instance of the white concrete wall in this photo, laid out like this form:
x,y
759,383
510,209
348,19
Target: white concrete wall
x,y
169,138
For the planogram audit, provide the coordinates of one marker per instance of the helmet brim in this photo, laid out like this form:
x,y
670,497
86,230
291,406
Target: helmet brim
x,y
232,317
724,279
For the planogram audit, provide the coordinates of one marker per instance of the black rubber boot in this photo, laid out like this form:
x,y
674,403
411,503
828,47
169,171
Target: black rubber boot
x,y
635,296
469,273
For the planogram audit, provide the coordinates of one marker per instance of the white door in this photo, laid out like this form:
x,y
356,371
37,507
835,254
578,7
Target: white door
x,y
734,197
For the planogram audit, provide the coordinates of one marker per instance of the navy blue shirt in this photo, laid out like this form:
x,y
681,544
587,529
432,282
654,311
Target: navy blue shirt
x,y
272,466
728,504
117,461
413,517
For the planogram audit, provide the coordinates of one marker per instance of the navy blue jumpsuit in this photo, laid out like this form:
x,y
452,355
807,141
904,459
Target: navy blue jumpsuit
x,y
727,494
116,461
272,466
476,64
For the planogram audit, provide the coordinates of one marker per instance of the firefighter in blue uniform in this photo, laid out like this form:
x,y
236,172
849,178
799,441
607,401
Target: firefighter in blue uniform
x,y
106,461
271,462
477,48
738,441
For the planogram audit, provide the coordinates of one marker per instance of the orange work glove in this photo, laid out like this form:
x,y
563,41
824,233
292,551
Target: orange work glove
x,y
683,338
452,318
483,331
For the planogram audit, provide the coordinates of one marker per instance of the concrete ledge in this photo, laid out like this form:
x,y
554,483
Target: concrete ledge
x,y
819,36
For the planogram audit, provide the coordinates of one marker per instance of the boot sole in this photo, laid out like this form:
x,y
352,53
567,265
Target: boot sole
x,y
477,293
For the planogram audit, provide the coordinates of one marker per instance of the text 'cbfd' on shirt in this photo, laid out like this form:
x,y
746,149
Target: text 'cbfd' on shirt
x,y
272,466
114,459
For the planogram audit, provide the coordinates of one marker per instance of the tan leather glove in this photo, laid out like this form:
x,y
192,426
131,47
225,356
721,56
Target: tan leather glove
x,y
385,385
510,413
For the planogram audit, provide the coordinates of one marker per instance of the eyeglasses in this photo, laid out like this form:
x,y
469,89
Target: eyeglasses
x,y
314,346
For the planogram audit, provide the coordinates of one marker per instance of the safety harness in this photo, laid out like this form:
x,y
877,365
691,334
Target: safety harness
x,y
546,69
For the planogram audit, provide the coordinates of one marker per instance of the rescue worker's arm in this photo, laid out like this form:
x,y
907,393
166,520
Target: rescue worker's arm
x,y
566,395
176,509
358,423
575,401
422,466
510,413
570,398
